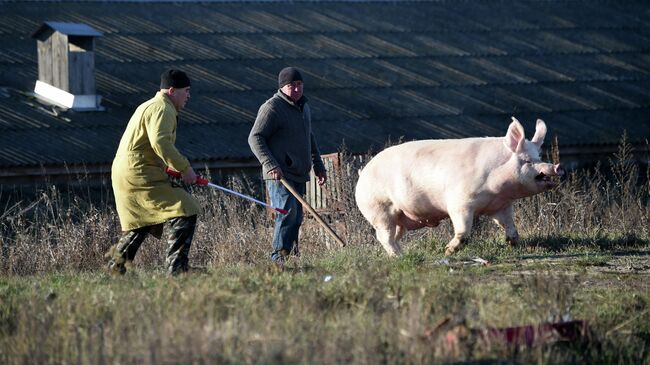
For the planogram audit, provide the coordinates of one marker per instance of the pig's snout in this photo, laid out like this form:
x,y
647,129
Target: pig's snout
x,y
550,175
547,171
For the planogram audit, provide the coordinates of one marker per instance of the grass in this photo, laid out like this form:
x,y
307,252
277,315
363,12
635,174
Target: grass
x,y
584,255
352,305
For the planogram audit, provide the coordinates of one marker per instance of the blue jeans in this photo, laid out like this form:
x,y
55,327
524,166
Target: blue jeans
x,y
286,226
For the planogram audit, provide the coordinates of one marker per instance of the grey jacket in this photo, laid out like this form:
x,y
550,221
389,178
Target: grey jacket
x,y
282,137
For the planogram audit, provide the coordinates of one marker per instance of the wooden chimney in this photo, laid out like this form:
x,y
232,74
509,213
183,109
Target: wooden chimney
x,y
66,65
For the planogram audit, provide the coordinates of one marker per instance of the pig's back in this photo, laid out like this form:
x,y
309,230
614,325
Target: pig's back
x,y
442,156
418,176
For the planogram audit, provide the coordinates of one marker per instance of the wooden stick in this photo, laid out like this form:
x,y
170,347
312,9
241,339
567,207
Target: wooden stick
x,y
312,211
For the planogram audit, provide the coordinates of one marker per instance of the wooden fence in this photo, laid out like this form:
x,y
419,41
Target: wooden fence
x,y
328,198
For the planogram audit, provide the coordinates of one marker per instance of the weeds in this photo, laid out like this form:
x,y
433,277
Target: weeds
x,y
66,232
342,306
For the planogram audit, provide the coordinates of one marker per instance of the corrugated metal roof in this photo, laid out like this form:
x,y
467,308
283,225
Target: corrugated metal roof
x,y
373,70
76,29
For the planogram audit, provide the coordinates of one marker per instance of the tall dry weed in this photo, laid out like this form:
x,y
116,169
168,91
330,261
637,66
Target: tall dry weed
x,y
602,206
59,231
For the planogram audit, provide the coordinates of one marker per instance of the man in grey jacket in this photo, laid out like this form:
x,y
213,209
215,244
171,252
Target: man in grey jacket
x,y
283,142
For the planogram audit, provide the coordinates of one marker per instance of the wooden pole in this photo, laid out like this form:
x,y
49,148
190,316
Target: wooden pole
x,y
312,211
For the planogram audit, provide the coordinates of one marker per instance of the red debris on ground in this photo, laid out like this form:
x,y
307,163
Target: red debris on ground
x,y
453,334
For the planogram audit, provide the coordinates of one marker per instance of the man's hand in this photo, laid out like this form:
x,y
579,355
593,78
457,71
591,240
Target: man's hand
x,y
322,178
189,176
276,173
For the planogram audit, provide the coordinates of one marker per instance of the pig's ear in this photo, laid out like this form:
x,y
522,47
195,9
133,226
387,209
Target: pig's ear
x,y
515,135
540,133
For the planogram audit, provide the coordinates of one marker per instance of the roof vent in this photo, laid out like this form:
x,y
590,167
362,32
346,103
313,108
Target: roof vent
x,y
66,65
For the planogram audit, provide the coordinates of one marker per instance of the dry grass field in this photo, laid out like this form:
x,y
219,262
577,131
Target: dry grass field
x,y
584,261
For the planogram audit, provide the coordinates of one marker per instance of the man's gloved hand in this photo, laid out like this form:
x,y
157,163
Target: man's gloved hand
x,y
189,176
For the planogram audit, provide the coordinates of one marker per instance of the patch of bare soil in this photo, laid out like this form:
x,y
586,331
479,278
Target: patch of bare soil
x,y
625,269
618,269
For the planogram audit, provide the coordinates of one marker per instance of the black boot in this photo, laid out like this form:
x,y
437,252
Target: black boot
x,y
179,239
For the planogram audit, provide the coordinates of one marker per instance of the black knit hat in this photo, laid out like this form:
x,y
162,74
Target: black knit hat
x,y
174,78
288,75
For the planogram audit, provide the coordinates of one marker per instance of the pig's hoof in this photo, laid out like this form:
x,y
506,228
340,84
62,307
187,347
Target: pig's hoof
x,y
449,251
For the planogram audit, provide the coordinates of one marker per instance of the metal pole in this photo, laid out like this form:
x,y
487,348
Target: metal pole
x,y
204,182
279,210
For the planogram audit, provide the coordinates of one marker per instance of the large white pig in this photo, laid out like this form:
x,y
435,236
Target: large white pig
x,y
417,184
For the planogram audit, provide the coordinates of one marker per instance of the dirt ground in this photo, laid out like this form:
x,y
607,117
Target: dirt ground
x,y
617,269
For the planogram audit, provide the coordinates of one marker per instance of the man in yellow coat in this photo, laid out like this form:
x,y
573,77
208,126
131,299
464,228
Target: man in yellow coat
x,y
144,197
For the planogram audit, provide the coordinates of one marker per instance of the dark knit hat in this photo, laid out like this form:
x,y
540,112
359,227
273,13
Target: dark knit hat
x,y
288,75
174,78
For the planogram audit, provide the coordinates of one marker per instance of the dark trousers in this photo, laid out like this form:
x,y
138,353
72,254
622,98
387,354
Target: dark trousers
x,y
180,231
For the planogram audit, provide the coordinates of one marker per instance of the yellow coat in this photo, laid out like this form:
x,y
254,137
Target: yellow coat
x,y
143,194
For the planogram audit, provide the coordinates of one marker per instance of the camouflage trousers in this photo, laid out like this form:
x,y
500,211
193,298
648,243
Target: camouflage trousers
x,y
180,231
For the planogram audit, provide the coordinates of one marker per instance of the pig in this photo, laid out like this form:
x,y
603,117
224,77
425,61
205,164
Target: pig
x,y
417,184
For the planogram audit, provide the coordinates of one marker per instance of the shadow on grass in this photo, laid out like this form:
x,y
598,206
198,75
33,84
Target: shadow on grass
x,y
578,255
562,243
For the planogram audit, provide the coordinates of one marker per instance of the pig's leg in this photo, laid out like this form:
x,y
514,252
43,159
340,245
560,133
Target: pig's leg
x,y
387,231
386,235
399,233
504,218
462,222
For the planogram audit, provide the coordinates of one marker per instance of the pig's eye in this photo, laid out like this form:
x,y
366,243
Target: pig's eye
x,y
527,161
